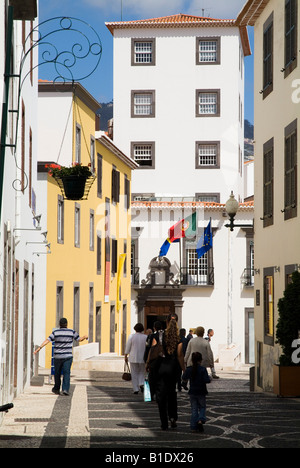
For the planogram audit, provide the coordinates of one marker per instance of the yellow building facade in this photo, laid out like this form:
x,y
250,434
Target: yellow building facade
x,y
88,271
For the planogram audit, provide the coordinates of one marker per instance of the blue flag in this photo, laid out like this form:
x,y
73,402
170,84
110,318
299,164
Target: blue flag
x,y
165,247
205,242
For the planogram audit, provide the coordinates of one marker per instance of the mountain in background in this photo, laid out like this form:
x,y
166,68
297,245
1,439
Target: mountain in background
x,y
107,110
248,140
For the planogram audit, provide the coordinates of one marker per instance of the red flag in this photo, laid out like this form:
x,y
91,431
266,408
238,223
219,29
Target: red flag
x,y
177,231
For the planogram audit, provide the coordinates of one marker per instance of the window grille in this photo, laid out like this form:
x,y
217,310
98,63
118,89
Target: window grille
x,y
208,51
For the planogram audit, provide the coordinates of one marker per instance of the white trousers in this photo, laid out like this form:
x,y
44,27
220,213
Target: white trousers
x,y
137,375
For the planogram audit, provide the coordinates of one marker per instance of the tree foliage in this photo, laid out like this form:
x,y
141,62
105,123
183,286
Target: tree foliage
x,y
288,326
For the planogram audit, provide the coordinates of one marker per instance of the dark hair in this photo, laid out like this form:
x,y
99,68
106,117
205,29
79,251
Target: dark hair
x,y
172,317
182,332
139,328
196,360
63,323
157,326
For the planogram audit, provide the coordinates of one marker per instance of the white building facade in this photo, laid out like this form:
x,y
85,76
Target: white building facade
x,y
179,113
19,225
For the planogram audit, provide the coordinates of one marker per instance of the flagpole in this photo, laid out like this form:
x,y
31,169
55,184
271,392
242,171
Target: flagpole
x,y
180,272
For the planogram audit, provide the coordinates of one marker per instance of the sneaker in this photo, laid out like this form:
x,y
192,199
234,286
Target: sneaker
x,y
65,393
215,376
56,392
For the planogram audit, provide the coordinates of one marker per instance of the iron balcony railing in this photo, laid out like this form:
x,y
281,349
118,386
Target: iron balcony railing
x,y
197,276
248,277
135,275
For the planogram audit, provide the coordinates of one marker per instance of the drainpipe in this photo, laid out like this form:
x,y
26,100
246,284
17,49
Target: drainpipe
x,y
7,77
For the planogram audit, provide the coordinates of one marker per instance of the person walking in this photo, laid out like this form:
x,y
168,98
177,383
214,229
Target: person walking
x,y
198,377
135,349
167,373
210,334
62,338
202,346
151,367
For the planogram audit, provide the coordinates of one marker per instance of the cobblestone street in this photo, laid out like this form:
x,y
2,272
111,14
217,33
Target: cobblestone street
x,y
102,412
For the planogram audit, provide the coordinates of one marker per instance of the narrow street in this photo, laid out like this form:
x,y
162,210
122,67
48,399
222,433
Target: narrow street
x,y
102,412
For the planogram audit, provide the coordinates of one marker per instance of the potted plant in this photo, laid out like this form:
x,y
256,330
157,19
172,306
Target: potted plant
x,y
72,180
287,372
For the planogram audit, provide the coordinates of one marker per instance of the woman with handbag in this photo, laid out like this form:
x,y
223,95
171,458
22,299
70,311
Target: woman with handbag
x,y
167,373
135,349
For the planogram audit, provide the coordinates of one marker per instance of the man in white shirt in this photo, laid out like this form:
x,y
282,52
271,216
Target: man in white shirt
x,y
135,348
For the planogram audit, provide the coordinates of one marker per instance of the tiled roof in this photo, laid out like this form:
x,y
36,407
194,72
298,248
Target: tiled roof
x,y
188,204
179,20
182,21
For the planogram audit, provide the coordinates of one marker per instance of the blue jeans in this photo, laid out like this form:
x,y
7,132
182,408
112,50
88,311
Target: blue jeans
x,y
198,407
62,366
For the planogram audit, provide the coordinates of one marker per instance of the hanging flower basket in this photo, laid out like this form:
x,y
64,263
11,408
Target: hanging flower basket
x,y
75,182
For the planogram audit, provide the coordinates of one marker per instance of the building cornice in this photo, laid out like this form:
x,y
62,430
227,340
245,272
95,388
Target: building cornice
x,y
183,21
207,206
251,12
74,88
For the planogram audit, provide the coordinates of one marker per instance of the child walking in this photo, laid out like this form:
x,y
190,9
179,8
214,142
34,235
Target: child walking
x,y
198,377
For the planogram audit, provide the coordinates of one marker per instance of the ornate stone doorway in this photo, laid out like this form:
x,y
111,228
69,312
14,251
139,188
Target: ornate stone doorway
x,y
157,311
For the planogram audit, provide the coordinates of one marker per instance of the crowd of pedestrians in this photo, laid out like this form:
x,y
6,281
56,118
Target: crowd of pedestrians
x,y
172,360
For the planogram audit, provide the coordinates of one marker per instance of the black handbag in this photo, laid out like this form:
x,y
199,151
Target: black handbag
x,y
126,375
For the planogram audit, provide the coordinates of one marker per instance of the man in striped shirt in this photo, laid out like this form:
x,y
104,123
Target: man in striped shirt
x,y
63,338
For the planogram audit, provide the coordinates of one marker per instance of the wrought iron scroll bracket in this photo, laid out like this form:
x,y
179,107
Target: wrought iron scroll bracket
x,y
70,45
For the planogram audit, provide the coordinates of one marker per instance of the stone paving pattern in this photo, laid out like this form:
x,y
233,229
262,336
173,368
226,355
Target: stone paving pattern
x,y
102,412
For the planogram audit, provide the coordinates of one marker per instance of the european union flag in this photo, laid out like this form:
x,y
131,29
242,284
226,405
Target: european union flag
x,y
205,242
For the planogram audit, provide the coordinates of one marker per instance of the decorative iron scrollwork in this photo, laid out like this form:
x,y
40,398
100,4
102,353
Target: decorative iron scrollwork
x,y
66,44
71,46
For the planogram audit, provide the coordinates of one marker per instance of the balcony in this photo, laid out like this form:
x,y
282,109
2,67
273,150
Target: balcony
x,y
186,277
197,277
248,277
135,275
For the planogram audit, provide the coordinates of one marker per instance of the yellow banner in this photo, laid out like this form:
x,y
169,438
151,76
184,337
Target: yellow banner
x,y
119,294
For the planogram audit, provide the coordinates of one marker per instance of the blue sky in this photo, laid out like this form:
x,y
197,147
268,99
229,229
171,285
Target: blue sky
x,y
97,12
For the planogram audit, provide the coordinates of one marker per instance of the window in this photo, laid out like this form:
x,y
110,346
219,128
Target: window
x,y
92,229
197,271
269,305
60,220
92,155
142,103
143,153
77,226
208,197
114,256
99,255
207,155
290,173
290,36
143,52
268,57
127,199
268,182
208,103
99,175
78,144
208,50
115,188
